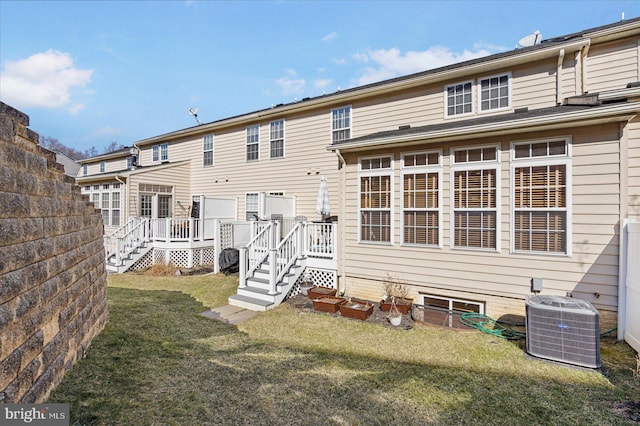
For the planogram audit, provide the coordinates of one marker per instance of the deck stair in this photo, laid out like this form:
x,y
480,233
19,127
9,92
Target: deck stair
x,y
256,296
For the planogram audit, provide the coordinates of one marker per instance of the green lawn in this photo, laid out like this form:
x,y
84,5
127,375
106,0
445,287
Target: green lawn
x,y
159,363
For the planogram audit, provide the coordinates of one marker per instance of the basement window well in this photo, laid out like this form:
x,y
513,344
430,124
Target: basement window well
x,y
445,311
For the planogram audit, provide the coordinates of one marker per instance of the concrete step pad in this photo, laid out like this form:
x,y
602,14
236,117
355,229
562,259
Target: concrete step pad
x,y
229,314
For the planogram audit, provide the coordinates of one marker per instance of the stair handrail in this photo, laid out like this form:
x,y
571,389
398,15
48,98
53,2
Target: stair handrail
x,y
255,252
284,256
130,241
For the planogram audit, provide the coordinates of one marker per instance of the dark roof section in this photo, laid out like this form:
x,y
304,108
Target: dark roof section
x,y
112,154
503,118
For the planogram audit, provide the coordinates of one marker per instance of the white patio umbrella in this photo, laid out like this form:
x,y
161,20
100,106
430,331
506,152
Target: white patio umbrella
x,y
323,206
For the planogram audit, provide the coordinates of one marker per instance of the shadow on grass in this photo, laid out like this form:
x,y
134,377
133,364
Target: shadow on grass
x,y
159,362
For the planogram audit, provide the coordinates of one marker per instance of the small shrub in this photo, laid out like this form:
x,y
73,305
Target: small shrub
x,y
161,270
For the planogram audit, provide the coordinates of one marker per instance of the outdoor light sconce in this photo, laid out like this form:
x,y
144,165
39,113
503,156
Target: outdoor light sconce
x,y
309,171
226,179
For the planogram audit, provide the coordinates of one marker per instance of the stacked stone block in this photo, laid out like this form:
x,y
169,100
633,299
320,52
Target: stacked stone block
x,y
53,292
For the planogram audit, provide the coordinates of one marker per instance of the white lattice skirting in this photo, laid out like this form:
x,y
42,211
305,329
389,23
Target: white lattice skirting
x,y
178,258
320,277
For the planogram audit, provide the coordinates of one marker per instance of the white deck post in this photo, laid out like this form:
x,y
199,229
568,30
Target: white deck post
x,y
273,260
118,252
242,271
217,246
302,230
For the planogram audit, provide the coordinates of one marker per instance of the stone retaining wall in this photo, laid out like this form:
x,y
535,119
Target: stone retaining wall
x,y
53,291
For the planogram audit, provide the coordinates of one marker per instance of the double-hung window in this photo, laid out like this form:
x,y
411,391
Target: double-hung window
x,y
207,150
540,197
459,99
341,124
495,92
103,166
475,177
105,207
421,182
115,208
376,197
85,169
160,152
253,142
276,139
251,205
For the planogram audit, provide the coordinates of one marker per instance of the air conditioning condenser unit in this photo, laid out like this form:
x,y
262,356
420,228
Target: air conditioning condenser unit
x,y
563,329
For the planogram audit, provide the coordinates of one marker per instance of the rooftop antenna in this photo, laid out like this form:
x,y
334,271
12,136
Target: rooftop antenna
x,y
194,112
531,39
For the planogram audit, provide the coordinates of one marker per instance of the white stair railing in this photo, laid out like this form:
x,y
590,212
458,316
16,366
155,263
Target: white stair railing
x,y
123,244
255,252
284,255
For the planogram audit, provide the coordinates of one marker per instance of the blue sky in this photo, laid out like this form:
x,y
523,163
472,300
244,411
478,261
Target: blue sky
x,y
92,72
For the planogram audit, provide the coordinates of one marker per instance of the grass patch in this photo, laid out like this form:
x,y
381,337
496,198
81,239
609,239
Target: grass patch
x,y
159,362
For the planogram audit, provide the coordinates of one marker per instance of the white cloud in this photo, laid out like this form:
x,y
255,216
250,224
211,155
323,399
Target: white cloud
x,y
291,84
106,131
42,80
322,83
389,63
75,109
331,36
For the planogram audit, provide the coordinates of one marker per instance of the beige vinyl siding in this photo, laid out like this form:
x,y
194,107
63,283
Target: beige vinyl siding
x,y
590,272
534,85
612,65
178,150
568,76
297,174
176,176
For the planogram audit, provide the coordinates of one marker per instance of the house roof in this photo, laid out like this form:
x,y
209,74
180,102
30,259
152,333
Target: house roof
x,y
516,122
127,172
547,48
122,152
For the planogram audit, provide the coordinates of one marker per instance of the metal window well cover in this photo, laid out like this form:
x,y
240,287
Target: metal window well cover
x,y
563,329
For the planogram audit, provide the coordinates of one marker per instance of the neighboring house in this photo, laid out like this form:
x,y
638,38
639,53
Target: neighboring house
x,y
71,166
465,182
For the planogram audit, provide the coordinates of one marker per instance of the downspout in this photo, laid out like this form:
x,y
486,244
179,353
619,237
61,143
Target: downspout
x,y
342,223
585,53
559,77
623,259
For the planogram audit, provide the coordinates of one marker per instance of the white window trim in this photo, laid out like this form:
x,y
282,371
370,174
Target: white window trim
x,y
245,203
205,150
246,144
377,172
492,164
423,296
284,136
422,169
103,167
446,99
85,169
567,160
479,93
342,128
164,152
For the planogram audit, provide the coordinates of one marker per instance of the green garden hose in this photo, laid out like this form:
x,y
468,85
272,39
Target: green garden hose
x,y
490,326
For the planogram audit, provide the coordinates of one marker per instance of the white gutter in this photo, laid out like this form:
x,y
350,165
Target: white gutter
x,y
342,223
613,113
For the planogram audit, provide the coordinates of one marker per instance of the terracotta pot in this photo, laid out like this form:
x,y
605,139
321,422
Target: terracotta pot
x,y
403,305
328,303
316,292
356,309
